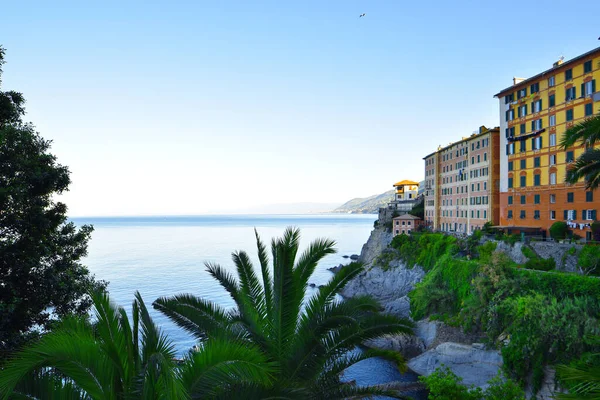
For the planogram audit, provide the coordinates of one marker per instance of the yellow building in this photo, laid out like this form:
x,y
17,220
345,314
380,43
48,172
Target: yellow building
x,y
534,114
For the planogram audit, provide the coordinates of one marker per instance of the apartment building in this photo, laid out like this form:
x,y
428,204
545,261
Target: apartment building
x,y
462,181
534,115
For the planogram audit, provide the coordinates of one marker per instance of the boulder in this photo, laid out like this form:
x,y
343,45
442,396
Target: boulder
x,y
475,366
337,269
389,287
408,345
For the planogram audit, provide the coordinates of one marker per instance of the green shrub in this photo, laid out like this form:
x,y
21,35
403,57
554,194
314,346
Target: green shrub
x,y
485,250
443,384
558,230
511,239
541,264
589,260
542,330
528,252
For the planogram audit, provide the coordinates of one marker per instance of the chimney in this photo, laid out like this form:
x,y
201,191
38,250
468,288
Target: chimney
x,y
556,64
517,80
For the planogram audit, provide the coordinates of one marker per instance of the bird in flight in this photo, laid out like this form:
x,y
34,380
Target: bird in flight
x,y
362,15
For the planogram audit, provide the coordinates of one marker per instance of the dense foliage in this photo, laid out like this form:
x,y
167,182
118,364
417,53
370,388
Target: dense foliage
x,y
536,318
443,384
587,166
558,230
309,339
118,359
41,274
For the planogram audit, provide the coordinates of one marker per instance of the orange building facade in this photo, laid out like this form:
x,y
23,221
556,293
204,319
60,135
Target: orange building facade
x,y
462,183
534,115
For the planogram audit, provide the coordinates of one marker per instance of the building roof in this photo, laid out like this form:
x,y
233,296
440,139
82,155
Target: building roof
x,y
407,216
405,182
482,131
536,77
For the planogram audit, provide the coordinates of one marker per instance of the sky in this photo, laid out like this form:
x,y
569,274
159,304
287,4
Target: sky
x,y
192,107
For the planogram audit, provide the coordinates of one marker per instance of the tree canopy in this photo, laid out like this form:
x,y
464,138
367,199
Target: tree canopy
x,y
41,275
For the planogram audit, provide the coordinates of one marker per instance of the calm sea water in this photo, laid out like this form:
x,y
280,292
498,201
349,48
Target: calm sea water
x,y
163,256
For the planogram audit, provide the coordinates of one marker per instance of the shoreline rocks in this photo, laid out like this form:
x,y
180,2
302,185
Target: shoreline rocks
x,y
474,365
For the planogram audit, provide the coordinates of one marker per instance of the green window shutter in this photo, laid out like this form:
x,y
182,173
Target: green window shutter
x,y
541,106
574,90
582,89
566,215
574,215
532,125
594,86
593,214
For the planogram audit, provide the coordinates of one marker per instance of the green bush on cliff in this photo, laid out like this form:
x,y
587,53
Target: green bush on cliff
x,y
424,249
541,317
443,384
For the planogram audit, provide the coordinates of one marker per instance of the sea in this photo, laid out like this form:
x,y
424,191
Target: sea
x,y
164,256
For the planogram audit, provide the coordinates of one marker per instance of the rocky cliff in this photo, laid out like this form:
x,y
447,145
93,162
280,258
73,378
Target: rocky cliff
x,y
366,205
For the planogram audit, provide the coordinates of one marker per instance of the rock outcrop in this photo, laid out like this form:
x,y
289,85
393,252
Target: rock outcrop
x,y
473,364
433,333
408,345
378,241
390,287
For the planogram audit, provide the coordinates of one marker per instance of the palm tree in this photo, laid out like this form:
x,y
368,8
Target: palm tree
x,y
111,359
587,166
309,339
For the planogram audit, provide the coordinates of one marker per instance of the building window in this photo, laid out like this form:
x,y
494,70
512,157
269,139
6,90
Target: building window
x,y
522,93
510,183
587,67
510,115
523,146
522,214
552,159
536,214
536,106
553,178
537,181
523,181
523,164
522,129
510,214
552,120
523,199
571,94
551,81
552,198
553,139
484,185
568,75
551,100
510,200
536,143
536,199
570,115
478,214
536,162
570,156
552,214
536,124
589,197
589,109
535,87
484,156
510,165
570,197
509,98
588,88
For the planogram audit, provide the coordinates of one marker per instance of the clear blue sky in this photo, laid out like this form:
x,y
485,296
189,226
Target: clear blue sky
x,y
190,107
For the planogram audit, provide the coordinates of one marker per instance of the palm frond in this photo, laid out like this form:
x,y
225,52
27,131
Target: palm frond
x,y
587,167
219,364
585,133
197,316
309,259
266,275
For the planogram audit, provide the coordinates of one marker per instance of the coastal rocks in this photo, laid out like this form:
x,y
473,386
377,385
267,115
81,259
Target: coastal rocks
x,y
513,252
433,333
379,239
389,287
407,345
354,257
474,365
549,387
337,269
560,253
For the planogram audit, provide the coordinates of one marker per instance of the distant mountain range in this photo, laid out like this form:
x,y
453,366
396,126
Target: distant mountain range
x,y
367,205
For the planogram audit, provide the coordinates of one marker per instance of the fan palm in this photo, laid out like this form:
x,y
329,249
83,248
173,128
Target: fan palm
x,y
111,359
310,339
587,166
